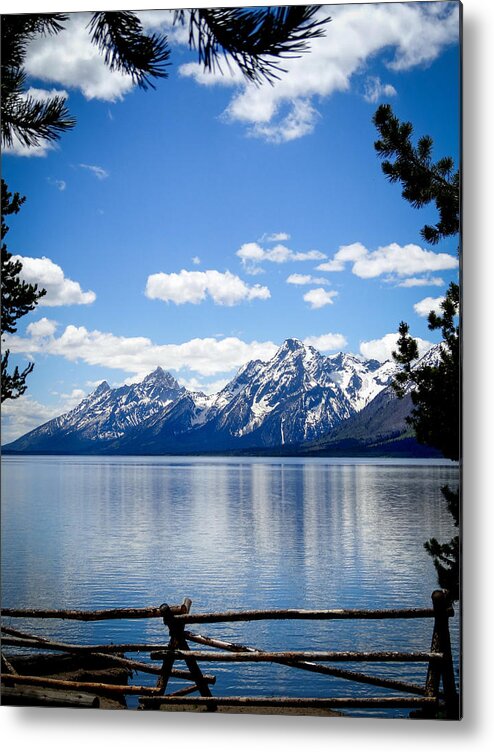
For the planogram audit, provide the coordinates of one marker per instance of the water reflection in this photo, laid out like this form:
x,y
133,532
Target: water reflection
x,y
229,533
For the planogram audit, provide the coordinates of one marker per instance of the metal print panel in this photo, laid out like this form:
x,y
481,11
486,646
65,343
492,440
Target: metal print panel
x,y
231,360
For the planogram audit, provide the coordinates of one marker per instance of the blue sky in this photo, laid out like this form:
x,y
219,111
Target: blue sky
x,y
197,226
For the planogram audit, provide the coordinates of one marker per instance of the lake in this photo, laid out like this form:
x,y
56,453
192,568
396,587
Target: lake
x,y
230,533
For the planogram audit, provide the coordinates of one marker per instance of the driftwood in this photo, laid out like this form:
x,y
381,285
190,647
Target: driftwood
x,y
56,698
152,612
97,687
316,668
293,702
297,613
261,656
43,643
175,618
7,667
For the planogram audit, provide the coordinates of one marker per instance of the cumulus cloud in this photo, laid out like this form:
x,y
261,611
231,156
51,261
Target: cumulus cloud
x,y
196,260
345,253
96,170
59,289
408,34
326,342
224,288
306,279
381,349
421,282
25,413
374,90
391,259
425,306
319,297
253,254
74,62
42,328
139,355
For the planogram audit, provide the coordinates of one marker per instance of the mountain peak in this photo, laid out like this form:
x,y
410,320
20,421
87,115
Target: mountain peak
x,y
161,378
157,375
290,345
101,389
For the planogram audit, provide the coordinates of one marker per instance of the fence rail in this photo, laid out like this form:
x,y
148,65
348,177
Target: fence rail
x,y
437,695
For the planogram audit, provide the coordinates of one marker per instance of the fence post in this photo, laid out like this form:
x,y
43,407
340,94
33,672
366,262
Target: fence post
x,y
178,642
441,605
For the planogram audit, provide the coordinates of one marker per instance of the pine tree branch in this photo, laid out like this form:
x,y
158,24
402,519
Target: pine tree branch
x,y
120,38
254,39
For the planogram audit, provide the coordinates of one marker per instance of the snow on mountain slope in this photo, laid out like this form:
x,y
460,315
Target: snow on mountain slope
x,y
299,395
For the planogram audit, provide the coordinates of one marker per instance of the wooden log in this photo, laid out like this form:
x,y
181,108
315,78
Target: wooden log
x,y
56,698
7,667
48,644
296,655
316,668
184,691
296,613
293,702
131,647
177,640
96,687
441,630
152,612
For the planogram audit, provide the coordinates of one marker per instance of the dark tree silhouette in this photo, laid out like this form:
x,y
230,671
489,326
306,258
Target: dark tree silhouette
x,y
422,179
435,388
18,298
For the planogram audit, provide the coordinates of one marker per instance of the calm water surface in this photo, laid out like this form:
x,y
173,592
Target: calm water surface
x,y
230,533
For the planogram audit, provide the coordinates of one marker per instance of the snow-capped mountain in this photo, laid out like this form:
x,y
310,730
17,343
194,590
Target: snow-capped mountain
x,y
299,395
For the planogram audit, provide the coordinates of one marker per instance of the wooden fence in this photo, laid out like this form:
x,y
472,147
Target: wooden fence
x,y
438,695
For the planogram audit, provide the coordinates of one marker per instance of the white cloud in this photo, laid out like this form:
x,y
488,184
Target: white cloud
x,y
374,90
421,282
306,279
425,306
408,34
345,253
391,259
139,355
224,288
70,59
97,171
326,342
18,149
381,349
60,184
319,297
22,415
274,237
196,260
42,328
299,121
59,289
252,254
199,385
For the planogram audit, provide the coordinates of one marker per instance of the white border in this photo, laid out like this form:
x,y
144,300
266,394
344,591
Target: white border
x,y
81,730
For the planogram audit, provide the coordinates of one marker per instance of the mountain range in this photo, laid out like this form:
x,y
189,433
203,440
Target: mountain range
x,y
298,402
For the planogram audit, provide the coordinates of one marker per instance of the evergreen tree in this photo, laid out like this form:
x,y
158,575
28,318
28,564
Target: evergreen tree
x,y
18,298
435,389
423,180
